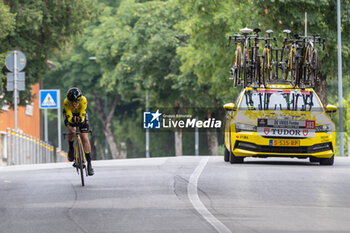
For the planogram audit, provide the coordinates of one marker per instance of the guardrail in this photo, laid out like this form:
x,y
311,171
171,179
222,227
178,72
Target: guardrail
x,y
17,148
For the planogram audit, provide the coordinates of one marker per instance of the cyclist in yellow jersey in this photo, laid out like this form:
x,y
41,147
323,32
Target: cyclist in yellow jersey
x,y
75,115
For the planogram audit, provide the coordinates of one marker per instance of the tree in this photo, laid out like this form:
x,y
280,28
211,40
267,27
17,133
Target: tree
x,y
38,28
206,54
137,52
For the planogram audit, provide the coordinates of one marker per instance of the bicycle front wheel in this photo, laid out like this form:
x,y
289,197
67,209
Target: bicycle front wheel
x,y
265,68
237,68
80,160
245,67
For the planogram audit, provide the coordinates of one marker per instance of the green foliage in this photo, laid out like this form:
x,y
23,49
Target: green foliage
x,y
322,19
206,53
38,28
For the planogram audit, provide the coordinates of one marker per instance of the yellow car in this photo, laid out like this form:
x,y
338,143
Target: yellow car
x,y
279,121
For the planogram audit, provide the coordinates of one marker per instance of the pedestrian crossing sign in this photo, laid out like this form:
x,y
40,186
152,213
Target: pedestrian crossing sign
x,y
48,99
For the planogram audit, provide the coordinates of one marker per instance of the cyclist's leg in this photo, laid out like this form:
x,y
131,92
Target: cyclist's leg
x,y
71,131
84,129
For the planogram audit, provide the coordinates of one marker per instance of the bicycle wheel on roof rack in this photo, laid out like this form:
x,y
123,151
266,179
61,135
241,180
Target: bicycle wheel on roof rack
x,y
286,64
315,68
245,67
265,68
307,66
236,70
256,74
295,79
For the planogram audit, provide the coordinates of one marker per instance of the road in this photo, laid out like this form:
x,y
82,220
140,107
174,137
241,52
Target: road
x,y
177,194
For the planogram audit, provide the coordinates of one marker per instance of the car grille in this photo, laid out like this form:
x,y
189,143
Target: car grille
x,y
282,149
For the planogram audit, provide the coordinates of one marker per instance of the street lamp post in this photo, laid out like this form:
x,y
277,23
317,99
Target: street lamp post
x,y
340,84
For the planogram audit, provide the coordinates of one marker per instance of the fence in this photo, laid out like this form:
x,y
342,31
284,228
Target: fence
x,y
17,148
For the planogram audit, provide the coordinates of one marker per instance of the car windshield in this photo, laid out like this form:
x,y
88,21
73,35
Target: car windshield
x,y
292,100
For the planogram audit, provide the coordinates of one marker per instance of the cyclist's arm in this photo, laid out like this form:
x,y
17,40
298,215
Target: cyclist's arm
x,y
67,111
82,113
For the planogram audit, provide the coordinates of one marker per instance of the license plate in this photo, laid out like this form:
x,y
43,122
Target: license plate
x,y
285,142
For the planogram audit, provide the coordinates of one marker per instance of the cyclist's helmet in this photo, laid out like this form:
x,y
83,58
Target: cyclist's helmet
x,y
73,94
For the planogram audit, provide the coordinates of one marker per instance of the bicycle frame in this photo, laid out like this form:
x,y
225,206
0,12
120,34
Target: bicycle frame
x,y
79,156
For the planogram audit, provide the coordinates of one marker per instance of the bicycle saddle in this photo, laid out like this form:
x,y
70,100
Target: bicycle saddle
x,y
286,31
269,31
246,30
257,30
297,36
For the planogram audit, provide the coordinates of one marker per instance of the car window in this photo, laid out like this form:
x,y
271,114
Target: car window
x,y
292,100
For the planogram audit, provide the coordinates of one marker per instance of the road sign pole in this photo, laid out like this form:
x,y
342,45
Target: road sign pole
x,y
15,87
50,99
59,119
46,128
147,130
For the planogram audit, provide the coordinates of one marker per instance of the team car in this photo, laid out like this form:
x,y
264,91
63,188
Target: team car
x,y
279,120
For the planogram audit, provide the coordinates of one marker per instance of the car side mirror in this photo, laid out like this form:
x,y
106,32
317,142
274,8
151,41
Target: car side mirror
x,y
331,108
229,106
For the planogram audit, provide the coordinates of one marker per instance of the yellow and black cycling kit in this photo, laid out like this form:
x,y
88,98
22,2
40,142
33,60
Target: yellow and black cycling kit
x,y
69,112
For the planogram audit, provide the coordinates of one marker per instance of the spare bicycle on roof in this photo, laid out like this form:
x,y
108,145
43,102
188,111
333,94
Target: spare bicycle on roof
x,y
295,62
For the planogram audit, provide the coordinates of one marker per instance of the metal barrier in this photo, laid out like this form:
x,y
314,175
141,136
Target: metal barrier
x,y
17,148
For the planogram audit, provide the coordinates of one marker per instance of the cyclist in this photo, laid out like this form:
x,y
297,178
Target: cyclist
x,y
74,113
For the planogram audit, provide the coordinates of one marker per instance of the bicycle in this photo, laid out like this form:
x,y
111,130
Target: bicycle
x,y
292,62
246,57
268,61
79,156
256,64
311,61
283,63
237,66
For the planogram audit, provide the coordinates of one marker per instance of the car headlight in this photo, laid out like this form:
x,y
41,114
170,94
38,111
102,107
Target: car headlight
x,y
244,127
324,128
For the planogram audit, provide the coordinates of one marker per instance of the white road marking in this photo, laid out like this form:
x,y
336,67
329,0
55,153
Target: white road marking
x,y
196,202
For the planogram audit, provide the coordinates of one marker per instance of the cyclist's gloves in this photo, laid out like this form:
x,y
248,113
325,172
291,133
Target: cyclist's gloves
x,y
76,119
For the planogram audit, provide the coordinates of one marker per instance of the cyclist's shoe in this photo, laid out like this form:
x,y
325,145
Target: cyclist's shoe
x,y
71,154
91,171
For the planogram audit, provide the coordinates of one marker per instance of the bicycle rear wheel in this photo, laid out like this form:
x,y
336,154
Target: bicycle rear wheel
x,y
265,68
315,68
307,66
245,67
237,68
295,79
80,160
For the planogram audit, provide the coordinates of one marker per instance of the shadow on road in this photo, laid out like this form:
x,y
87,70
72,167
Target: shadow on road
x,y
294,163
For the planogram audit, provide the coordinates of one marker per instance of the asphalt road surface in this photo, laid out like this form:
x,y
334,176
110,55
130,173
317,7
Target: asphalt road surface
x,y
183,194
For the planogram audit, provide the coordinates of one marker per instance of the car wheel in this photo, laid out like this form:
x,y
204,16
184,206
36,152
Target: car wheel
x,y
314,160
226,155
235,159
328,162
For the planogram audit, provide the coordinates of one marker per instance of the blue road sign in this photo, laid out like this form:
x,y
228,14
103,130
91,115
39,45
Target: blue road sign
x,y
48,99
